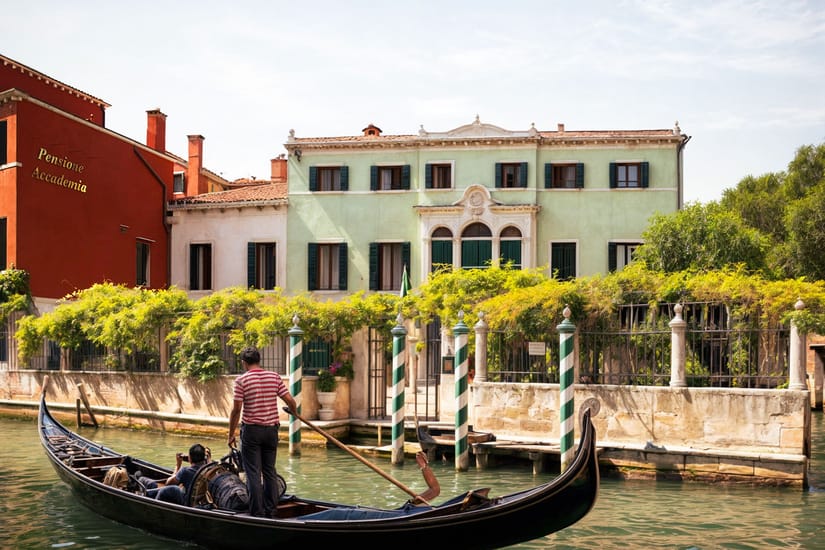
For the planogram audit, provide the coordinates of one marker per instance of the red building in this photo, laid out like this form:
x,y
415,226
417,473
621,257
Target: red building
x,y
79,203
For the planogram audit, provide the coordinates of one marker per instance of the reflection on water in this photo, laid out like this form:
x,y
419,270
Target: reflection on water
x,y
38,512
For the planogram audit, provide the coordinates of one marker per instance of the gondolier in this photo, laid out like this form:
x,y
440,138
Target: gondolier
x,y
256,394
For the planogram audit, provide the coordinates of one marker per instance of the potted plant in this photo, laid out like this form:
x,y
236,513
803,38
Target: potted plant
x,y
326,381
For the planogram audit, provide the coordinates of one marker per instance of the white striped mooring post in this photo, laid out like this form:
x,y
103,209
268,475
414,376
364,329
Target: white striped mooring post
x,y
462,452
399,338
295,377
566,408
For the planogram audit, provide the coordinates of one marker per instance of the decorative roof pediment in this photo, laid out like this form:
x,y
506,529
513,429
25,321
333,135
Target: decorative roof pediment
x,y
477,129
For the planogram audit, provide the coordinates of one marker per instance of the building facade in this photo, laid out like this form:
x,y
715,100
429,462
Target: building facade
x,y
79,203
362,207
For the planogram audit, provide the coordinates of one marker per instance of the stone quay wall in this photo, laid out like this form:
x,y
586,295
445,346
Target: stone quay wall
x,y
711,434
719,434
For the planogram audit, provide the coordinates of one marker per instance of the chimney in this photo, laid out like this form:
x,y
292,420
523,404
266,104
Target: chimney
x,y
561,127
279,169
156,130
195,182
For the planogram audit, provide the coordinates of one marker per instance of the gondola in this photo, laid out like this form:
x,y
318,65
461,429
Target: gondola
x,y
475,518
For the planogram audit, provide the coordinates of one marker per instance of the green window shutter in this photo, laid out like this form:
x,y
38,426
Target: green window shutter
x,y
193,267
250,265
563,261
428,176
613,175
373,178
4,142
522,179
645,171
405,257
405,176
313,178
312,266
342,266
442,253
469,254
498,175
580,175
548,175
485,253
611,257
373,266
511,251
345,178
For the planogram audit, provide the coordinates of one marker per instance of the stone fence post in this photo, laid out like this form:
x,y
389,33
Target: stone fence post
x,y
678,328
797,372
481,348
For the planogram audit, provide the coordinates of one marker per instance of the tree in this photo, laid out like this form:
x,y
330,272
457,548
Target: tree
x,y
701,237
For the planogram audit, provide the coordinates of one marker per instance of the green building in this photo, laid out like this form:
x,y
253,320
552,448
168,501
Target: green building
x,y
362,207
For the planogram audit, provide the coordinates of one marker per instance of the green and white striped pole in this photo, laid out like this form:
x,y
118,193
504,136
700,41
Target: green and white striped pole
x,y
462,453
295,380
399,338
566,408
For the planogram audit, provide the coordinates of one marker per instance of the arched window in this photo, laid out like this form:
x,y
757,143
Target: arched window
x,y
510,247
476,246
441,249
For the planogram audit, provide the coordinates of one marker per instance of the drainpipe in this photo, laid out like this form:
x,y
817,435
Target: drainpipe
x,y
679,175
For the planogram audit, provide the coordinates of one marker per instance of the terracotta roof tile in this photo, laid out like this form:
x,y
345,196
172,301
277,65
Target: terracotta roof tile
x,y
244,193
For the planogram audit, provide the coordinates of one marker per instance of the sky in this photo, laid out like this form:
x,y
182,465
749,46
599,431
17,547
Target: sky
x,y
745,79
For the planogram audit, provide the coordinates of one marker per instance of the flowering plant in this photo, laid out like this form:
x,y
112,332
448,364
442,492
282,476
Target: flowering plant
x,y
326,377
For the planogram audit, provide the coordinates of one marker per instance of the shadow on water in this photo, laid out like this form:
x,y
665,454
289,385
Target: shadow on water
x,y
38,511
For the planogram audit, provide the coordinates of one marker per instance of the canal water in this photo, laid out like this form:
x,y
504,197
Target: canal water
x,y
37,510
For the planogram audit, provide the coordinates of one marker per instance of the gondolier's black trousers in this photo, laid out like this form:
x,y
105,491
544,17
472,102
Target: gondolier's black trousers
x,y
259,449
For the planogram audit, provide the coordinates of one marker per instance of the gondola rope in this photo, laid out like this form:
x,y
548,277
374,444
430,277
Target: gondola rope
x,y
566,408
295,377
462,455
399,336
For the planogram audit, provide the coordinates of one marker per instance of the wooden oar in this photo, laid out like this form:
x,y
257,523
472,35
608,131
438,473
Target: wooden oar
x,y
378,470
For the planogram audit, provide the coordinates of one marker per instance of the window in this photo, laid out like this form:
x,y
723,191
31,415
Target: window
x,y
387,261
564,176
441,249
511,174
438,176
328,178
179,182
511,247
4,140
142,264
385,178
620,254
327,266
476,247
628,174
563,261
260,265
200,267
4,232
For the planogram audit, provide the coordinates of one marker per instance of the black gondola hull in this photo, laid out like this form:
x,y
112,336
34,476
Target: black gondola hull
x,y
506,520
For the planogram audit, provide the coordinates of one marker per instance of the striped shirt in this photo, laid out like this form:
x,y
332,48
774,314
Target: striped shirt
x,y
259,390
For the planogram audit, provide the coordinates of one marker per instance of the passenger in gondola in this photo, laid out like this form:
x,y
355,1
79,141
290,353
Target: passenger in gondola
x,y
180,481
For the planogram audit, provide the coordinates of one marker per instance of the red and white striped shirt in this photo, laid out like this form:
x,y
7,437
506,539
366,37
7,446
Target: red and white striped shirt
x,y
259,390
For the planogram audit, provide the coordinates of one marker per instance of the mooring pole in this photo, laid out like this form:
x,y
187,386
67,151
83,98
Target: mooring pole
x,y
296,348
399,337
566,405
462,452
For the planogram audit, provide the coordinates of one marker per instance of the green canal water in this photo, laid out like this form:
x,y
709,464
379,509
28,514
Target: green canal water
x,y
37,510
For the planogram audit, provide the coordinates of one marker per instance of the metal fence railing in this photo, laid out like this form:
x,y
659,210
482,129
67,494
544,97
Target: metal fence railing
x,y
635,350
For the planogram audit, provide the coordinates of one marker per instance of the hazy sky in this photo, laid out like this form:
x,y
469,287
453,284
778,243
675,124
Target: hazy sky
x,y
745,79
